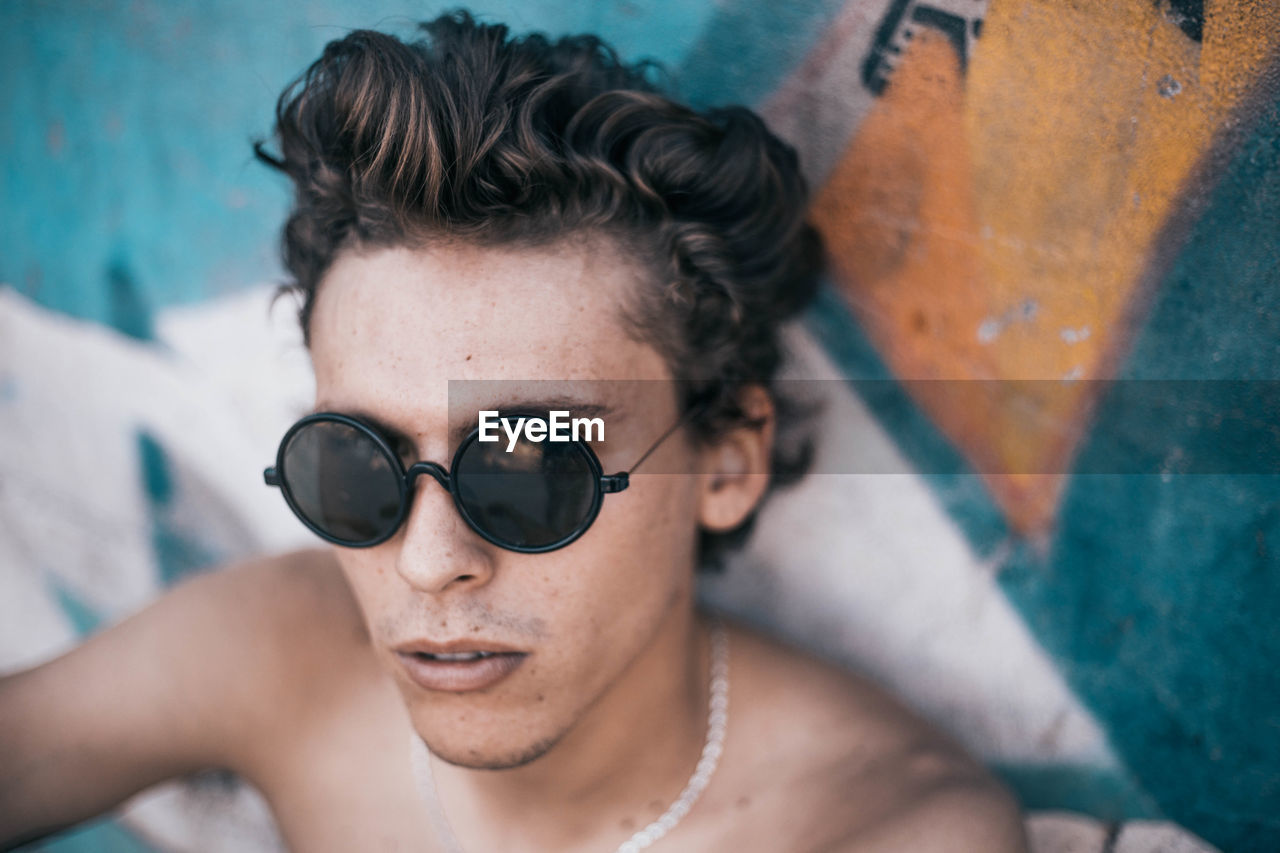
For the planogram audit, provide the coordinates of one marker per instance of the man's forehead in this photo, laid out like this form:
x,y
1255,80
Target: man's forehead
x,y
433,336
464,399
463,312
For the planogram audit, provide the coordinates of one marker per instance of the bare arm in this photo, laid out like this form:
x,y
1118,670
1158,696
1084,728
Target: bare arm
x,y
191,682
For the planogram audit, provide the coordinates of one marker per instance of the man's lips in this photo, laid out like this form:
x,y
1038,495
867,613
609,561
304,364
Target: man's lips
x,y
459,666
446,647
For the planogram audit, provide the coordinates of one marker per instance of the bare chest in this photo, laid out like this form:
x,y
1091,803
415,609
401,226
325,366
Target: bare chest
x,y
348,784
358,792
344,781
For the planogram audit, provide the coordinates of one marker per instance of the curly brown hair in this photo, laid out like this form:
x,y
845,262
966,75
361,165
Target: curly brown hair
x,y
471,134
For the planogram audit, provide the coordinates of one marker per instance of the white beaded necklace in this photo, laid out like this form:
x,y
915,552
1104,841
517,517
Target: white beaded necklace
x,y
717,722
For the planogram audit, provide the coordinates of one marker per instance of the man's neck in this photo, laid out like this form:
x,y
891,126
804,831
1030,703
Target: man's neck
x,y
622,764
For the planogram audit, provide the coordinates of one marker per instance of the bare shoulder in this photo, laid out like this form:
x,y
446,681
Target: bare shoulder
x,y
275,637
291,597
304,647
215,673
273,608
853,766
299,621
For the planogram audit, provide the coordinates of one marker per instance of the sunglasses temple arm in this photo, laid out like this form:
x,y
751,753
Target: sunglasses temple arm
x,y
271,477
685,418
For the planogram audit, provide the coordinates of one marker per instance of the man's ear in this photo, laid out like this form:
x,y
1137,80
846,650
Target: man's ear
x,y
735,465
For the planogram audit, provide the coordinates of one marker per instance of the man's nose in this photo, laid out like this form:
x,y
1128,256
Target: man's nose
x,y
438,551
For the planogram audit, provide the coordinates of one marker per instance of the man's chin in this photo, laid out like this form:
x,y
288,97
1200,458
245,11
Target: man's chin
x,y
472,758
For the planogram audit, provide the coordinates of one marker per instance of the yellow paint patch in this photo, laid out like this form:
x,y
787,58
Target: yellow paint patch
x,y
898,216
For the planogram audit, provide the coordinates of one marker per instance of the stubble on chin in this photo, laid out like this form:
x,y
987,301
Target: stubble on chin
x,y
476,759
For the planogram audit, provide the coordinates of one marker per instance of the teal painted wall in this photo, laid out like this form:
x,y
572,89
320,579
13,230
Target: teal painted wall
x,y
127,177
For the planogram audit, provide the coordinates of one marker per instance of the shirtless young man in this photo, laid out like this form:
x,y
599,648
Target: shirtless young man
x,y
478,207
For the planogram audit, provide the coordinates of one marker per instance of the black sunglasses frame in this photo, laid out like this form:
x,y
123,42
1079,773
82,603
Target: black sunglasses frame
x,y
602,484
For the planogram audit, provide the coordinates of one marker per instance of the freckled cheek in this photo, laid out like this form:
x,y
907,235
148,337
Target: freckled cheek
x,y
646,553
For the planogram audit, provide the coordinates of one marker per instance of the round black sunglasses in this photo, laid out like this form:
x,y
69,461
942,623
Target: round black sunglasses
x,y
342,478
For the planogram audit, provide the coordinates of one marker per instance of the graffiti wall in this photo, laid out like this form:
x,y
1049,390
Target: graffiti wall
x,y
1087,192
1037,213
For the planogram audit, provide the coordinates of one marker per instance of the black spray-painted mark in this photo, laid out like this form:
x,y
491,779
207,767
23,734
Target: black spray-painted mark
x,y
1187,14
899,25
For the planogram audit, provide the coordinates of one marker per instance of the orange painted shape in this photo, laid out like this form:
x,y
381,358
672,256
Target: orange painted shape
x,y
897,213
998,227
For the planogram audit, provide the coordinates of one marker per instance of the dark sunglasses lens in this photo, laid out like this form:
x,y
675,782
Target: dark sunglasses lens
x,y
342,481
532,497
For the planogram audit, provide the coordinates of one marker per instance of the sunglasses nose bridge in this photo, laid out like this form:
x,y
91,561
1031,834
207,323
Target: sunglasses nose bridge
x,y
419,468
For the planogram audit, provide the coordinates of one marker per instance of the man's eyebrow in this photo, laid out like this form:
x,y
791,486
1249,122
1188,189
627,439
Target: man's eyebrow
x,y
546,404
539,406
389,432
534,405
